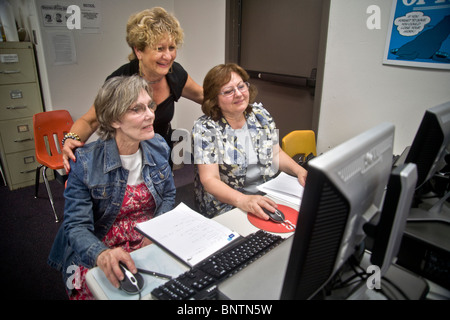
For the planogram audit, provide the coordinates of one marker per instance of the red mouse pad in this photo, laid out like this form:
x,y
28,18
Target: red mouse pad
x,y
290,215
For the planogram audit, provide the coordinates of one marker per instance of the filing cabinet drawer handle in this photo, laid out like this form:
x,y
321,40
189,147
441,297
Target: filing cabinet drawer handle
x,y
9,71
15,107
24,140
28,171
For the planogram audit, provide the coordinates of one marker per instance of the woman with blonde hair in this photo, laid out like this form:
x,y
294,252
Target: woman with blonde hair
x,y
154,36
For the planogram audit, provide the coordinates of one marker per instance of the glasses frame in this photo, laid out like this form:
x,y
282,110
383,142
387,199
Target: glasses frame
x,y
232,92
141,111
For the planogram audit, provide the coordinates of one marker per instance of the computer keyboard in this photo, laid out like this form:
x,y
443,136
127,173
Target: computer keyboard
x,y
200,282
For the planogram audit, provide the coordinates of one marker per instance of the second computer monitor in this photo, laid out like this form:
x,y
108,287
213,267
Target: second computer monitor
x,y
429,147
344,190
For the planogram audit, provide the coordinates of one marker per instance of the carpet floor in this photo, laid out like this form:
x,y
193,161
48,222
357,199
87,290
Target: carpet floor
x,y
27,232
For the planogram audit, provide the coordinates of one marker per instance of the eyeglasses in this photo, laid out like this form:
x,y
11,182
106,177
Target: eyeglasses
x,y
242,87
140,108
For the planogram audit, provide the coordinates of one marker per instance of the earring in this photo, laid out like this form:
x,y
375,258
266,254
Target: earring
x,y
141,74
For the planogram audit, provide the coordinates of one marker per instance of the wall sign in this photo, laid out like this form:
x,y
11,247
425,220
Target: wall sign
x,y
419,34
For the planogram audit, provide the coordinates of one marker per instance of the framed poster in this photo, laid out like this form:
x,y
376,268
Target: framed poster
x,y
419,34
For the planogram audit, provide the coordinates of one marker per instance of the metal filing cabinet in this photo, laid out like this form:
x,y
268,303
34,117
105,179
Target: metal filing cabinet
x,y
20,99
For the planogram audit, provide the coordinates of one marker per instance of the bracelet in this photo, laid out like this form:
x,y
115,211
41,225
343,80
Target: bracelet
x,y
70,135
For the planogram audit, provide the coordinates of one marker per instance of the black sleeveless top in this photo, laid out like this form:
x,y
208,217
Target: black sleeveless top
x,y
164,113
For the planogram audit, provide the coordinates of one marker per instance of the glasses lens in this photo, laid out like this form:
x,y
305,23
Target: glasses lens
x,y
228,92
152,106
140,108
242,87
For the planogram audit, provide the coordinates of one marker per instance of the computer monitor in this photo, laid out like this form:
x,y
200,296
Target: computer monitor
x,y
387,232
344,190
428,151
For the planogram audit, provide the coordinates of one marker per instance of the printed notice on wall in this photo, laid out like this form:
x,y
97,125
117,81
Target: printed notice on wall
x,y
74,15
419,34
62,47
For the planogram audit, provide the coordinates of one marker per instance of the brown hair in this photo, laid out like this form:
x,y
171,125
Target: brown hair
x,y
214,80
147,27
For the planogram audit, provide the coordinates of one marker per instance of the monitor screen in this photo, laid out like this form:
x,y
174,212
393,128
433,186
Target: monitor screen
x,y
387,233
344,190
428,151
429,147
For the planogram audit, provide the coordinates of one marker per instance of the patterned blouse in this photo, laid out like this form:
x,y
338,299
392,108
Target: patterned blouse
x,y
216,143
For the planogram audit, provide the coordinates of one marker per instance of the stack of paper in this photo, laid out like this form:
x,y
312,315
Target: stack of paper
x,y
187,234
284,187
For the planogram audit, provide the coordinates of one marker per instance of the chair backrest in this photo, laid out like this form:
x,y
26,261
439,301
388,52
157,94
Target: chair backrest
x,y
49,129
301,142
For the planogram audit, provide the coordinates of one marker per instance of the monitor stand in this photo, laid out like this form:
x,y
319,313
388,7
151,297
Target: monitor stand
x,y
439,212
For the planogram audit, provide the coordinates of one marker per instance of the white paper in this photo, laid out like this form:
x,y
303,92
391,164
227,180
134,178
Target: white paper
x,y
187,234
284,187
63,48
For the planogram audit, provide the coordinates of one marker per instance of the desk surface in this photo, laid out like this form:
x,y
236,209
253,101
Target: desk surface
x,y
154,258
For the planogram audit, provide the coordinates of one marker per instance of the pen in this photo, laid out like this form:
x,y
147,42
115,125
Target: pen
x,y
155,274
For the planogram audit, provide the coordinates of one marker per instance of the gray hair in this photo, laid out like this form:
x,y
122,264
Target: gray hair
x,y
113,100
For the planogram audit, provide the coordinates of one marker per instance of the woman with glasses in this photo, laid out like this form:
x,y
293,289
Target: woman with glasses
x,y
119,180
154,36
236,146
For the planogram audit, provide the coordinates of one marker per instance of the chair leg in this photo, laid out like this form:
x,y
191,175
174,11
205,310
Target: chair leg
x,y
3,175
49,192
36,184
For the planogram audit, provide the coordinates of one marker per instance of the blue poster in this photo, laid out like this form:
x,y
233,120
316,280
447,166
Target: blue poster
x,y
419,34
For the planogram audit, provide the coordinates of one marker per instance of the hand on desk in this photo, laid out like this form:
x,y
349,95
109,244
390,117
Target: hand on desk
x,y
109,260
255,203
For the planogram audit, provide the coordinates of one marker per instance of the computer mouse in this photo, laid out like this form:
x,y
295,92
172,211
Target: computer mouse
x,y
131,283
276,216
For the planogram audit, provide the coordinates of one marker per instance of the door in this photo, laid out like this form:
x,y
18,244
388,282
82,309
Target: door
x,y
277,42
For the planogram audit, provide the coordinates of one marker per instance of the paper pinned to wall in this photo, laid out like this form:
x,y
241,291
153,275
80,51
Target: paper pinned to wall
x,y
72,15
63,48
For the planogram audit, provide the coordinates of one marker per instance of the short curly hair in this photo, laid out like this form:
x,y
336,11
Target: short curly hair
x,y
148,27
214,80
113,100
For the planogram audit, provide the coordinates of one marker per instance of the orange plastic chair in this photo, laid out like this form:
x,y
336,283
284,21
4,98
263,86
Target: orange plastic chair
x,y
299,142
49,129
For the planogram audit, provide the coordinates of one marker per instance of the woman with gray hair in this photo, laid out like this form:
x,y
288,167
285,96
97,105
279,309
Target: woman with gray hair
x,y
119,180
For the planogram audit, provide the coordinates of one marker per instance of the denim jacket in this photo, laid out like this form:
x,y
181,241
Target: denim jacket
x,y
93,198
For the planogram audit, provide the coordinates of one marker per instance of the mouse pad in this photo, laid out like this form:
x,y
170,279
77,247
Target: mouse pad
x,y
290,215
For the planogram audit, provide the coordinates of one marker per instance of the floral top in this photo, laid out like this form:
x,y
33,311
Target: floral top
x,y
215,142
138,206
